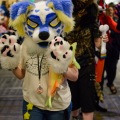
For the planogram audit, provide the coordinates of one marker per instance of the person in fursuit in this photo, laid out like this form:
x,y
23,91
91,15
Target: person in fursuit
x,y
45,60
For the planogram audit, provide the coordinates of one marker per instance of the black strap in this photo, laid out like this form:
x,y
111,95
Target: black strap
x,y
39,67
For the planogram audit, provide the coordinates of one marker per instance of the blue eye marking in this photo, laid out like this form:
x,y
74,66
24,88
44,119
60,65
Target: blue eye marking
x,y
43,27
30,33
58,31
47,9
37,11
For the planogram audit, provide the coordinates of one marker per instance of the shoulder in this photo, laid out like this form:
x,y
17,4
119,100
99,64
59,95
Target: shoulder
x,y
93,6
92,9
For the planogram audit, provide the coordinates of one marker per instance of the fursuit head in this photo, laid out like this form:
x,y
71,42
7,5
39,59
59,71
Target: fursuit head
x,y
40,22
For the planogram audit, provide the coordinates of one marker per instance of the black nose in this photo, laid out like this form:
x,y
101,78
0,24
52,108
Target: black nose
x,y
44,35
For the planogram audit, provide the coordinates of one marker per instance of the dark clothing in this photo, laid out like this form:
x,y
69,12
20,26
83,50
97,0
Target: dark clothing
x,y
113,47
86,29
111,68
113,52
85,50
83,90
81,5
118,25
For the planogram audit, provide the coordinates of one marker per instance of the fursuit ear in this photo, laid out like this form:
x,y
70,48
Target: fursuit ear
x,y
18,15
64,10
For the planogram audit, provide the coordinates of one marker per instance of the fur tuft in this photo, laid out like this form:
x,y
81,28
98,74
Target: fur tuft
x,y
18,24
64,11
18,16
69,22
9,62
29,43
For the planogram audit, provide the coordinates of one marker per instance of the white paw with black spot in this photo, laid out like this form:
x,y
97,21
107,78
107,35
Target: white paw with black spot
x,y
59,54
9,43
9,50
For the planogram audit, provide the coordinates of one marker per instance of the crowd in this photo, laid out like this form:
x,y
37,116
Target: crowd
x,y
88,16
4,18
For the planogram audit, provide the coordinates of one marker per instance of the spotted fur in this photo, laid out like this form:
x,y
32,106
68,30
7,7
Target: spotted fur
x,y
9,49
60,53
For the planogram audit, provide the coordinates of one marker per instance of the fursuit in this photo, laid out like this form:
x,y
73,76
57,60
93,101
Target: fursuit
x,y
40,22
10,48
41,25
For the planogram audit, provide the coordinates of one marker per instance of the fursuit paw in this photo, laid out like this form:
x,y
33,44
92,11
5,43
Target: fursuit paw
x,y
59,54
9,50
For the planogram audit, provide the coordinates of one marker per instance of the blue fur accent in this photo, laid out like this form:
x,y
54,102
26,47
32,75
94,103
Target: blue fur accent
x,y
64,6
19,8
30,33
4,10
43,27
47,9
29,28
37,11
58,31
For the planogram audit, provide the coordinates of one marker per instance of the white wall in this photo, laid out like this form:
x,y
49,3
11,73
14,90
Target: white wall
x,y
115,1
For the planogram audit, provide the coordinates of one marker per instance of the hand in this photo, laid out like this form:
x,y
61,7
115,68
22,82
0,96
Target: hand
x,y
72,73
104,38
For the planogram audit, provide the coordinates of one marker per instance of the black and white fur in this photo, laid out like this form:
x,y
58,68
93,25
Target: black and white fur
x,y
59,54
10,49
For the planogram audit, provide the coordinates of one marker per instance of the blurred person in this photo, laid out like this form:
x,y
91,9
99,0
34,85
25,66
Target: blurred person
x,y
4,12
118,14
113,51
100,58
2,21
86,34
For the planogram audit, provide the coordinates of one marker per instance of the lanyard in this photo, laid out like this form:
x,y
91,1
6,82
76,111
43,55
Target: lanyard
x,y
39,89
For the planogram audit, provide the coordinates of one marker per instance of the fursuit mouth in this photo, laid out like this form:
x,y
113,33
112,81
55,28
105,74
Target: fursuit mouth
x,y
43,44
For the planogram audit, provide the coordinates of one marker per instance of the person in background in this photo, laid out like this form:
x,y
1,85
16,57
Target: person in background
x,y
4,18
100,58
4,12
86,34
113,52
36,71
118,14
